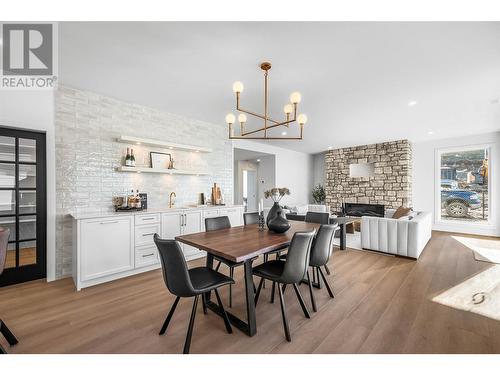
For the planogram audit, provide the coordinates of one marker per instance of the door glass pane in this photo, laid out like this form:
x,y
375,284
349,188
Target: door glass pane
x,y
27,176
10,261
7,175
7,148
464,185
27,150
27,253
7,202
27,202
27,227
9,222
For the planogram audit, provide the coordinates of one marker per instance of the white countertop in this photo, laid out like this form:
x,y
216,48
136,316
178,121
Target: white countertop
x,y
108,213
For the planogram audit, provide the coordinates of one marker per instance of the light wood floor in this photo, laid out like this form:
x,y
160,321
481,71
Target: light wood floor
x,y
382,305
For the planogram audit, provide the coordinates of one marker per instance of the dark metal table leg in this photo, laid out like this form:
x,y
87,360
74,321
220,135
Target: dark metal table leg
x,y
9,336
210,264
343,231
251,319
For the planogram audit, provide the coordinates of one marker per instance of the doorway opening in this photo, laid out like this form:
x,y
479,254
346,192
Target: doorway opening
x,y
254,172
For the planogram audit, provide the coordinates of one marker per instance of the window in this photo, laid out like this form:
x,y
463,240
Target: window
x,y
464,185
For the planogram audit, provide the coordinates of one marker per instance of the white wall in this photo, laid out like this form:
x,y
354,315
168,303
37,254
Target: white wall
x,y
34,110
318,169
293,170
424,180
266,177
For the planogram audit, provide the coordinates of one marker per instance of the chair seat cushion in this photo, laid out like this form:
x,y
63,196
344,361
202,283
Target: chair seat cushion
x,y
205,279
271,270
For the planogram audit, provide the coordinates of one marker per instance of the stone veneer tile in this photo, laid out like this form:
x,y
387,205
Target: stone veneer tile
x,y
87,125
390,186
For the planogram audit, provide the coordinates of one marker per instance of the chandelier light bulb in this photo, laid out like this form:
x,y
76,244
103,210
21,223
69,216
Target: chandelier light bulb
x,y
242,118
295,97
238,87
288,108
230,118
302,119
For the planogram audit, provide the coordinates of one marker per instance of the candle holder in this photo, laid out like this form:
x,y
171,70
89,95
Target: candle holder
x,y
261,221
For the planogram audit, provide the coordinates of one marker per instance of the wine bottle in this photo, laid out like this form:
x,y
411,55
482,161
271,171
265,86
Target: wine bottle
x,y
132,158
127,158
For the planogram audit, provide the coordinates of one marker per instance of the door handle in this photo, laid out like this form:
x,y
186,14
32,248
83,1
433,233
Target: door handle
x,y
109,222
148,255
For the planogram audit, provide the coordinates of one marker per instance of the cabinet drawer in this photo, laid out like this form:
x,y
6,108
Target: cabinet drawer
x,y
146,255
147,219
210,213
144,234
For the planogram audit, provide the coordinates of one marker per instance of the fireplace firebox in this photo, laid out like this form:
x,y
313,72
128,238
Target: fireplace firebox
x,y
362,209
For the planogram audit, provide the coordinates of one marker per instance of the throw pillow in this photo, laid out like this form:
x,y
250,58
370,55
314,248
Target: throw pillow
x,y
400,212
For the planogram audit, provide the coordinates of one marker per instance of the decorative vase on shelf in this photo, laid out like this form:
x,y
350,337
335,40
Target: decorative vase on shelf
x,y
278,224
272,212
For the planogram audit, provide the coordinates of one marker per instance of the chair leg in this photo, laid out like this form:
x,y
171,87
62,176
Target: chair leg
x,y
283,315
326,283
204,302
187,343
224,314
261,283
2,350
313,300
266,258
273,291
278,254
169,316
301,301
231,275
327,270
218,266
317,277
9,336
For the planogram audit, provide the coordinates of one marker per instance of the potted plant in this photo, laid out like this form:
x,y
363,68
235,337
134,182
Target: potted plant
x,y
318,194
276,194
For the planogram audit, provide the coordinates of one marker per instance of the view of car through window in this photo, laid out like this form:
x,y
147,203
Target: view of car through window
x,y
464,185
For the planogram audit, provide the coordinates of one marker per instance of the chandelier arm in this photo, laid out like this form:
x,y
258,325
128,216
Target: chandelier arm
x,y
256,115
271,138
284,123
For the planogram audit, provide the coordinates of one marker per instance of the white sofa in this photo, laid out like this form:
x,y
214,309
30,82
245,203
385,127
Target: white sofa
x,y
406,236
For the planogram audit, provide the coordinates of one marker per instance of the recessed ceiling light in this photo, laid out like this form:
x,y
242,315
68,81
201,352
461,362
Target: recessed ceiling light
x,y
330,147
258,160
412,103
430,132
283,133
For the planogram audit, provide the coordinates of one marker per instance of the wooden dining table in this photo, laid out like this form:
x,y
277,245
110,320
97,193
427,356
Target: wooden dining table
x,y
242,245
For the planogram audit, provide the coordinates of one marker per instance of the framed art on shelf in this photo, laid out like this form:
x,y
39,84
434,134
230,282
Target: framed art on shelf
x,y
161,160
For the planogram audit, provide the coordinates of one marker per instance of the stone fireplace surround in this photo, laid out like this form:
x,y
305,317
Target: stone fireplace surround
x,y
391,181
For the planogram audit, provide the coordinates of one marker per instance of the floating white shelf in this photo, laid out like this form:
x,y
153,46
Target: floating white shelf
x,y
164,171
162,144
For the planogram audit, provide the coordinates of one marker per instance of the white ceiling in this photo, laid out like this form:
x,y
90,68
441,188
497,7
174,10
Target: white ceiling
x,y
356,78
242,154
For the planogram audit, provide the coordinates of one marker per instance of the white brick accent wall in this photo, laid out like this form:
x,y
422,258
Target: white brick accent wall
x,y
87,154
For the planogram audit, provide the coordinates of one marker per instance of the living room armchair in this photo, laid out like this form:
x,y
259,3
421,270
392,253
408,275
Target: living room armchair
x,y
406,236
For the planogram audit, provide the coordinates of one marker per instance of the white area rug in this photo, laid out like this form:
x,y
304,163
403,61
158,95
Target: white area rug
x,y
480,294
353,240
484,250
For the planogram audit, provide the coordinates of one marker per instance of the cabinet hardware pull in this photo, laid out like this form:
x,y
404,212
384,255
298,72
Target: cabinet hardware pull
x,y
147,234
109,222
148,218
148,255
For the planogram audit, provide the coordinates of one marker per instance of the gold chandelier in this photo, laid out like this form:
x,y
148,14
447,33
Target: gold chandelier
x,y
269,123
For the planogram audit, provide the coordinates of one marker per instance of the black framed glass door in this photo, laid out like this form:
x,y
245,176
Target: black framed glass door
x,y
23,204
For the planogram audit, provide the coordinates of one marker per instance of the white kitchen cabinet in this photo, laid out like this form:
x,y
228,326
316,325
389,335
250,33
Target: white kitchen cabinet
x,y
235,215
106,247
178,223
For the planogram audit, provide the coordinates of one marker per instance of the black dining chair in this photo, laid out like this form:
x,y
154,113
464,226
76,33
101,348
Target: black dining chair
x,y
289,271
184,282
321,250
218,223
319,218
250,218
4,330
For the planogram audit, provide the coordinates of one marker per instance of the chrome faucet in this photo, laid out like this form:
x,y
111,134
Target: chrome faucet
x,y
170,199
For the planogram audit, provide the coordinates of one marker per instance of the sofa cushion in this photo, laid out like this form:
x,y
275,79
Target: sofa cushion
x,y
400,212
